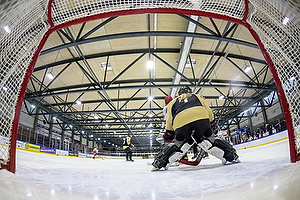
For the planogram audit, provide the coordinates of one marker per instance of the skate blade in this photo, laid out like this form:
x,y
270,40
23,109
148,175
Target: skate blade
x,y
154,169
236,161
176,164
223,161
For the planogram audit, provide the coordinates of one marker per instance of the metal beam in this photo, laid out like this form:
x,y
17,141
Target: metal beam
x,y
184,53
141,51
147,34
33,96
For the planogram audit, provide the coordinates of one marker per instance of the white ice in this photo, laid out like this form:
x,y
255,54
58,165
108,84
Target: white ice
x,y
265,173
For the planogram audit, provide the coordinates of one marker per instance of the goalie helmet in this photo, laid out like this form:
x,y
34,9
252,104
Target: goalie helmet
x,y
184,89
168,99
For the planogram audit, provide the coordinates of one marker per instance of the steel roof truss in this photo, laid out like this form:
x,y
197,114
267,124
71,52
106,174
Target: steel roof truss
x,y
215,26
80,31
198,24
146,34
96,28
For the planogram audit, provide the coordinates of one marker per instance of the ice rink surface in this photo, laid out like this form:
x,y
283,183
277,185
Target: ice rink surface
x,y
265,173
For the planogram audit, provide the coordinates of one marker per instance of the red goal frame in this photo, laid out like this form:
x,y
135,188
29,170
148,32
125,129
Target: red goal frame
x,y
11,166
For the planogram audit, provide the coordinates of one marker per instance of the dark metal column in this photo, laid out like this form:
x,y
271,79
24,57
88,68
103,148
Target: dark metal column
x,y
35,123
50,132
263,111
62,137
80,144
250,122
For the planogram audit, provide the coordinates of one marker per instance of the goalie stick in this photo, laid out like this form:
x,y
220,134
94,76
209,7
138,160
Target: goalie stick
x,y
195,162
186,162
198,159
192,163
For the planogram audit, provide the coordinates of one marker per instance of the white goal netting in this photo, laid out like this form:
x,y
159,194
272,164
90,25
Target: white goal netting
x,y
24,24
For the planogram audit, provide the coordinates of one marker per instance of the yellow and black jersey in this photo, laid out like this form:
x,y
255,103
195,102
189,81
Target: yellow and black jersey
x,y
185,109
127,142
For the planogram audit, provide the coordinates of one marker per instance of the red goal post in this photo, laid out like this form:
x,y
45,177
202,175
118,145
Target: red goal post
x,y
26,25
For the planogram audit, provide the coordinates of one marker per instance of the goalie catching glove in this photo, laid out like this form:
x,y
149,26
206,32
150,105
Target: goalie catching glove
x,y
169,136
214,127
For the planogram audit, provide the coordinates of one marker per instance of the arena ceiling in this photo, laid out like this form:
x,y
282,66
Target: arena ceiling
x,y
100,84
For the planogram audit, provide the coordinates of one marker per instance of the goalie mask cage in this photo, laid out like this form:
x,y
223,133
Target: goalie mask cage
x,y
26,25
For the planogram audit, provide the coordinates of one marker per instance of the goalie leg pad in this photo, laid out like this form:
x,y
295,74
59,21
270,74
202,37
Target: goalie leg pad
x,y
175,157
229,152
213,150
162,158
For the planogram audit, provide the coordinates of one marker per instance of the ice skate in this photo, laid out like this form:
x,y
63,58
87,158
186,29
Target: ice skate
x,y
236,160
223,160
175,164
154,169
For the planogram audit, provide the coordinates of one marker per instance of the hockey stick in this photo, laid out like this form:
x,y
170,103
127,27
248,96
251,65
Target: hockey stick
x,y
195,162
192,163
198,159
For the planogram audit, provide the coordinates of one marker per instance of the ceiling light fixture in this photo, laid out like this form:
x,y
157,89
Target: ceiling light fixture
x,y
78,102
7,29
247,68
190,63
150,64
106,66
150,98
50,75
221,97
285,20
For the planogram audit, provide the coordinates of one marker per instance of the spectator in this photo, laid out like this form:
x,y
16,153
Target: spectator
x,y
269,129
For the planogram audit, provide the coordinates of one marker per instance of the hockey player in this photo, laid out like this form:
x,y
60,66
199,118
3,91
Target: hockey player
x,y
95,152
127,149
191,118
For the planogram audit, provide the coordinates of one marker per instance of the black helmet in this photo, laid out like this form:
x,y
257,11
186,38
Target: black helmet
x,y
184,89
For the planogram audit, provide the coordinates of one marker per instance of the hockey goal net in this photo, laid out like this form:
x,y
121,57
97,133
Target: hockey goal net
x,y
26,25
